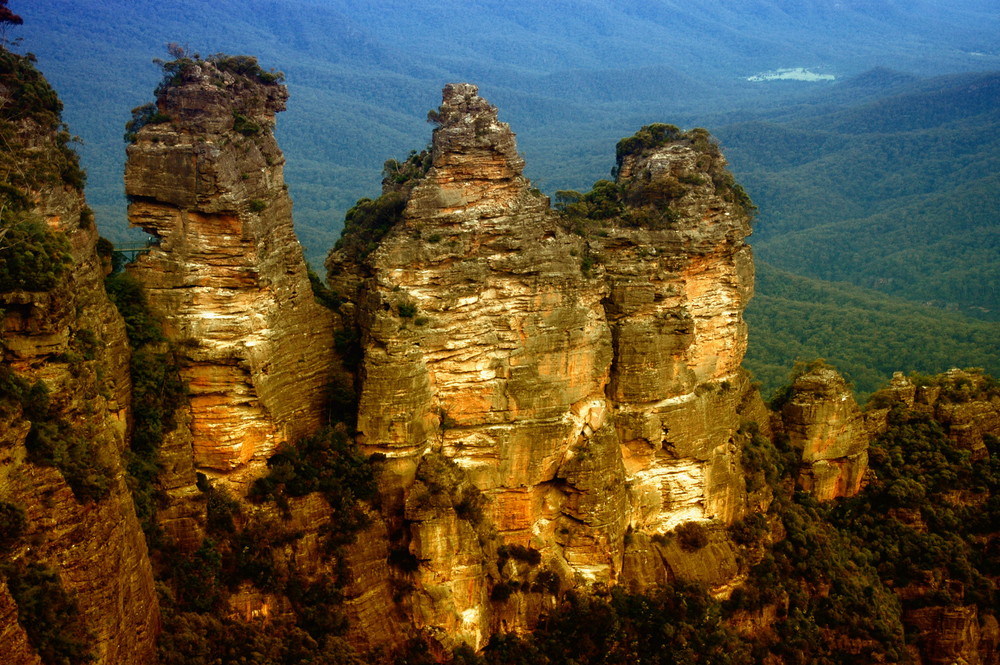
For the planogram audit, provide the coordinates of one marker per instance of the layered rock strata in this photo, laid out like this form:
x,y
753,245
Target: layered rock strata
x,y
226,273
823,421
70,339
678,277
577,397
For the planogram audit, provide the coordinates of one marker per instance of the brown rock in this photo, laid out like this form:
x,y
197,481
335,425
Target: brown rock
x,y
71,339
822,420
227,274
947,635
577,401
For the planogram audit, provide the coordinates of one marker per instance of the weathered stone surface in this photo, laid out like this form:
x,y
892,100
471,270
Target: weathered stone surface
x,y
949,635
822,420
97,547
227,274
578,400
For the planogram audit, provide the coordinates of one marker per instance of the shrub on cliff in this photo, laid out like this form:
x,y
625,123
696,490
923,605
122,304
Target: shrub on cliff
x,y
30,106
13,523
157,392
53,441
32,258
328,463
368,221
49,615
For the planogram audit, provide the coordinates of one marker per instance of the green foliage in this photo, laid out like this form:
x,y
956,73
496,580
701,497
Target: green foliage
x,y
369,220
865,334
245,126
528,555
147,114
329,463
649,137
48,614
838,607
676,624
410,170
446,485
765,463
190,638
322,293
55,442
52,441
157,393
31,107
911,525
246,66
127,294
256,205
692,536
197,578
32,258
407,310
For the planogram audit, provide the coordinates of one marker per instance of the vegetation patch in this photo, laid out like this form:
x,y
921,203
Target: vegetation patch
x,y
157,393
370,220
49,615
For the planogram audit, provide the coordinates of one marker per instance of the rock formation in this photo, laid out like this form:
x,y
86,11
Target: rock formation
x,y
823,421
582,385
61,442
226,274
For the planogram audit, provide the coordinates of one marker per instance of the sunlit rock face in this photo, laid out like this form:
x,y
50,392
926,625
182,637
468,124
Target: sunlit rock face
x,y
580,385
227,274
678,281
822,420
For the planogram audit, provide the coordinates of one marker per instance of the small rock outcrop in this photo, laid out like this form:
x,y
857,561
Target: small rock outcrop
x,y
823,421
226,273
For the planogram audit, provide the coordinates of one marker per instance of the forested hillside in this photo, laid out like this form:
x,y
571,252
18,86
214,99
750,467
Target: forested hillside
x,y
885,178
863,333
899,194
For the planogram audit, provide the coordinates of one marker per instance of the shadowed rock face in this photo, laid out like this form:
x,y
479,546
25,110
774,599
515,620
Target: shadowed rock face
x,y
227,274
71,339
578,397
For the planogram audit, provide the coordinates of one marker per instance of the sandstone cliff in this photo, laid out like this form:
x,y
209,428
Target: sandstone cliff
x,y
225,273
62,440
576,385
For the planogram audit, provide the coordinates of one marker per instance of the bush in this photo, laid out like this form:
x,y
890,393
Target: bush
x,y
327,463
692,536
33,258
13,523
49,615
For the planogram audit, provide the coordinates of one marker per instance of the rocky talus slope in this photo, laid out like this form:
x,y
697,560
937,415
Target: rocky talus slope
x,y
226,275
65,401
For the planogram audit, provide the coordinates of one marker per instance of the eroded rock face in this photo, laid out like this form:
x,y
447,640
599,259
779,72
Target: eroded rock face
x,y
577,396
71,339
679,278
822,420
953,635
227,274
